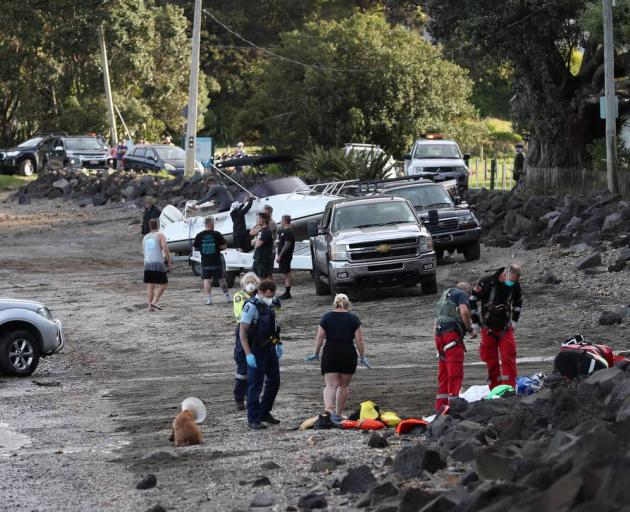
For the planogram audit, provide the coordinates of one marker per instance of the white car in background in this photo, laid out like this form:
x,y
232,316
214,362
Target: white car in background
x,y
27,332
438,160
372,149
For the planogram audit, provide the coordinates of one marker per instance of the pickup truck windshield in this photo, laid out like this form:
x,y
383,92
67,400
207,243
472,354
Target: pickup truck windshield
x,y
373,214
436,151
84,144
424,196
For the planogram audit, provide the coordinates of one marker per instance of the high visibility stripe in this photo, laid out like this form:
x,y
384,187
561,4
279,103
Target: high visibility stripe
x,y
449,345
592,367
442,396
504,377
516,308
451,397
241,377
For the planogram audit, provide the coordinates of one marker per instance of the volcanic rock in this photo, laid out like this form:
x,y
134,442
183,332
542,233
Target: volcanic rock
x,y
312,501
589,261
148,481
377,441
411,461
261,500
358,480
610,318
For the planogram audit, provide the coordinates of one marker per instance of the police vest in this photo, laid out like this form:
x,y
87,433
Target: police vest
x,y
264,329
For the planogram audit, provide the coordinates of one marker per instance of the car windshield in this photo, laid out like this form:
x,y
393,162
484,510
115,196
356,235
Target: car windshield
x,y
171,153
436,151
31,142
372,214
84,144
423,196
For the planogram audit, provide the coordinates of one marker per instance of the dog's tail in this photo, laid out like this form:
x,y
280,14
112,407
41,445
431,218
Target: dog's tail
x,y
196,408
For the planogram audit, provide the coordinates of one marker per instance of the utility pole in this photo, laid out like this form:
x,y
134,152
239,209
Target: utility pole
x,y
611,100
108,89
193,91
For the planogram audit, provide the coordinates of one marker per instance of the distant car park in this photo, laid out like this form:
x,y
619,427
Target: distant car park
x,y
157,157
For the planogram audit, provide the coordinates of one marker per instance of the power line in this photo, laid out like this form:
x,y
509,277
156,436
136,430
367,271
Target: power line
x,y
319,67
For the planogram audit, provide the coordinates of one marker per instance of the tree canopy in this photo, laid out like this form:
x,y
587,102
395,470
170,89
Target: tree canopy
x,y
364,81
537,39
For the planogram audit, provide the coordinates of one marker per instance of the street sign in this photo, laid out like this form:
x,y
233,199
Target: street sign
x,y
204,151
602,107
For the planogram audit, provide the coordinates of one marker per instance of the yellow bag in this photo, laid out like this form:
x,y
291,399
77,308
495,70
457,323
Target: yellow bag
x,y
369,411
390,419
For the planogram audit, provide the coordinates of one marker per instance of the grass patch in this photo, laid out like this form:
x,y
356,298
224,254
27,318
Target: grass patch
x,y
9,182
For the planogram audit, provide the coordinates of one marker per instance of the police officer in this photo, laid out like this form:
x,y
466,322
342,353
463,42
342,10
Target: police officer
x,y
249,283
501,302
259,335
453,321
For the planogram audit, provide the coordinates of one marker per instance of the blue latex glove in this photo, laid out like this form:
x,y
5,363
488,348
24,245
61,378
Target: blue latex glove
x,y
251,360
280,350
312,358
366,362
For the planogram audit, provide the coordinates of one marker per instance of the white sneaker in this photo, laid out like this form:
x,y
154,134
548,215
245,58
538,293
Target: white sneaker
x,y
209,301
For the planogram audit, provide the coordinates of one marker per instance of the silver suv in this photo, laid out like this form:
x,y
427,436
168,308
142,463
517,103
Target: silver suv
x,y
375,241
27,332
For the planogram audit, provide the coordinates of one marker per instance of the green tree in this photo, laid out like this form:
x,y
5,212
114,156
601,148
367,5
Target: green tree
x,y
407,89
537,40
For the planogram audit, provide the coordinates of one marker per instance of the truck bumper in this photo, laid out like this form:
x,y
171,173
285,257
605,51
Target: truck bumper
x,y
456,238
390,273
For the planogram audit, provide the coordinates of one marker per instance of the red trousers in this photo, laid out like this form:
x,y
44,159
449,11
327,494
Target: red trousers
x,y
495,344
450,367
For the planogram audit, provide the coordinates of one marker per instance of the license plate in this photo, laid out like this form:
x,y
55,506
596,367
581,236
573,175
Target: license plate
x,y
94,162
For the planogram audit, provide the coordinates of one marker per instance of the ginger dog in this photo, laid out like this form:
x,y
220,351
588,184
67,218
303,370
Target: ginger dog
x,y
184,431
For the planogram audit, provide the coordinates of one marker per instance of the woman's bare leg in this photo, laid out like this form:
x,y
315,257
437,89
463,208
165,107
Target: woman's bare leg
x,y
343,390
330,391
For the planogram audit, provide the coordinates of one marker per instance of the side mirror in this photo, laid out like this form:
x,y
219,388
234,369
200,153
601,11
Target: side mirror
x,y
407,156
434,218
466,157
457,200
313,228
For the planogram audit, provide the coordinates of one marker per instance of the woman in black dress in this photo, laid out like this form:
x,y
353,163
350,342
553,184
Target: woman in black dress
x,y
342,331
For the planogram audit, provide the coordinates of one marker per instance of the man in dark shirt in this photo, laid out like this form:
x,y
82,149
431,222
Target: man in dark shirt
x,y
286,246
501,301
220,194
150,212
518,171
263,254
210,243
239,228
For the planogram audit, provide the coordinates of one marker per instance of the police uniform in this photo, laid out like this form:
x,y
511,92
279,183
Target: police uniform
x,y
449,342
500,311
262,337
240,384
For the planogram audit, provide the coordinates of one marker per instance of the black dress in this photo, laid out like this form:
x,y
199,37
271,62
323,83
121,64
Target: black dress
x,y
339,354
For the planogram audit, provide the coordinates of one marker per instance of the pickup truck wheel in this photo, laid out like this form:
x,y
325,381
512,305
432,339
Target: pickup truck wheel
x,y
429,286
195,266
321,288
19,353
472,251
27,167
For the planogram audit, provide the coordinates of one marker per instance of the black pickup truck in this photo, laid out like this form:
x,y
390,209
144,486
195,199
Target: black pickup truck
x,y
452,226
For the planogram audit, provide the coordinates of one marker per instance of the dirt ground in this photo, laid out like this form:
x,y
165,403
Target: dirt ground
x,y
83,445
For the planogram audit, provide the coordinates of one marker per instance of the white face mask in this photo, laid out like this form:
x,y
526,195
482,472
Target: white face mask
x,y
267,300
250,288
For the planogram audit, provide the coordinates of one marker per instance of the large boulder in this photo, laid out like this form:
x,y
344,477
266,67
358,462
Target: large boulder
x,y
612,222
411,461
589,261
610,318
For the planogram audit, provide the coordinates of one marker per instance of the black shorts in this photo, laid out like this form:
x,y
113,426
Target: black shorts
x,y
263,268
155,277
212,272
339,358
285,265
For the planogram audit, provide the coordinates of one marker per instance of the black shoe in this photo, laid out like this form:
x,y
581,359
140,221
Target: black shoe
x,y
285,296
257,426
268,418
240,406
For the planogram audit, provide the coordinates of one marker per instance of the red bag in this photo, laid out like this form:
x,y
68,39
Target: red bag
x,y
407,425
369,424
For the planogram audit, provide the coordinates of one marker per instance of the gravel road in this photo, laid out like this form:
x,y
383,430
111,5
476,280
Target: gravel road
x,y
85,443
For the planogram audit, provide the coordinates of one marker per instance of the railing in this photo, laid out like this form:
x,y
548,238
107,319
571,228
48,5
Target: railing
x,y
491,173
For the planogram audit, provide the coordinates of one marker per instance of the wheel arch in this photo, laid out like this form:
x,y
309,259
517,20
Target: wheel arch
x,y
21,325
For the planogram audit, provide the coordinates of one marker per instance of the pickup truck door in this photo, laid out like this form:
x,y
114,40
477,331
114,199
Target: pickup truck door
x,y
320,243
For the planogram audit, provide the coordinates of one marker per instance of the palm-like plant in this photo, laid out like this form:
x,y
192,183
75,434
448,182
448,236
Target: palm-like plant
x,y
321,164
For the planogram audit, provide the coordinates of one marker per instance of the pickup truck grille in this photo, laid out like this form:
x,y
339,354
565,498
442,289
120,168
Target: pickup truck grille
x,y
383,250
443,226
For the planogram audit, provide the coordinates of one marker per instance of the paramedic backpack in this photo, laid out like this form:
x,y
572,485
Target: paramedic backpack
x,y
578,357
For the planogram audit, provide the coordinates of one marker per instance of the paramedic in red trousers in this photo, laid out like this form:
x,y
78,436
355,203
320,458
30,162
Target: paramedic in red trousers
x,y
500,297
453,321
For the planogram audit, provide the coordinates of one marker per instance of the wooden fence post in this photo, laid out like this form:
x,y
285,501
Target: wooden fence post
x,y
493,172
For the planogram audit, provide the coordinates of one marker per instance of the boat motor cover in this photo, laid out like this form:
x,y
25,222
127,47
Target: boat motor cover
x,y
169,215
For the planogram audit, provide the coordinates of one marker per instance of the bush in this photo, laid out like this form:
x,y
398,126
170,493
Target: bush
x,y
321,164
